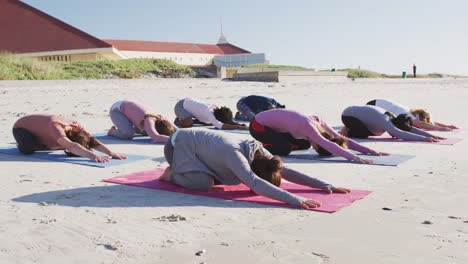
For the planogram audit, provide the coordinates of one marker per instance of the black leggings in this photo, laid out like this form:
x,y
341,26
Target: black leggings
x,y
356,128
373,102
26,141
275,142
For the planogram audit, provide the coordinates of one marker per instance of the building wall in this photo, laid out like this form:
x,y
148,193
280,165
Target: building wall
x,y
193,59
76,57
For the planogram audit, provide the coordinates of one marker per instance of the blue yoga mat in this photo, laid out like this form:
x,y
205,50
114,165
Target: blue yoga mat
x,y
141,139
60,156
391,160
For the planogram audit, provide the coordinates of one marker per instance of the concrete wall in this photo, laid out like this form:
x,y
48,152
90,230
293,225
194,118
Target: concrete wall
x,y
286,75
257,77
192,59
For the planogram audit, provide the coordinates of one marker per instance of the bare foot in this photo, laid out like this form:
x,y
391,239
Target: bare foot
x,y
111,131
166,176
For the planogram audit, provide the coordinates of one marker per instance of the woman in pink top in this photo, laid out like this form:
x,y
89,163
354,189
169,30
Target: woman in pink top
x,y
132,118
49,132
282,131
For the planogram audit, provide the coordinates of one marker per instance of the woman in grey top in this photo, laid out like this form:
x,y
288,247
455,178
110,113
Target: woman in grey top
x,y
199,159
369,120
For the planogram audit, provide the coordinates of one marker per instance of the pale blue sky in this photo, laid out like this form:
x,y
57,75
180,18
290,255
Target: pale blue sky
x,y
386,36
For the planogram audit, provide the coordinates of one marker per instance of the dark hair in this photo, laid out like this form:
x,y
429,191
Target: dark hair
x,y
164,127
81,137
267,169
224,115
402,121
341,141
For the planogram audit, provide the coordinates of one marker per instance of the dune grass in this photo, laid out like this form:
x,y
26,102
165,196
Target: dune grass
x,y
361,73
17,68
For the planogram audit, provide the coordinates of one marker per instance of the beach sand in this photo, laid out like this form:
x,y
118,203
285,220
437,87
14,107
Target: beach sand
x,y
55,212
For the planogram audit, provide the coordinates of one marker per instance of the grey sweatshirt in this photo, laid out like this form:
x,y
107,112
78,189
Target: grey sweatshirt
x,y
228,160
378,123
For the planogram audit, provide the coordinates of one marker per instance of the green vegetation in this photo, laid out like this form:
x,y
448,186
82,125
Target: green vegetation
x,y
359,73
272,66
16,68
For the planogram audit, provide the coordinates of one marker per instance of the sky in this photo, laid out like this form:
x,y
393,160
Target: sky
x,y
380,35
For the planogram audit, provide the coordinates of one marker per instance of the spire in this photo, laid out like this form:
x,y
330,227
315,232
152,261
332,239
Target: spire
x,y
222,39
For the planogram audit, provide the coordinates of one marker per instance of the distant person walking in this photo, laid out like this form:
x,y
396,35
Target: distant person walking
x,y
414,70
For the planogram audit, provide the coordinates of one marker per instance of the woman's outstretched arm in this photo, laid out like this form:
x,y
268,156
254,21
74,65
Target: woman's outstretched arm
x,y
351,143
424,125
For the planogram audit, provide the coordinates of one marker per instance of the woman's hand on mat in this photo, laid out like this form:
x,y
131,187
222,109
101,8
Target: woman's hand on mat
x,y
452,127
309,204
332,189
117,156
100,159
361,160
445,129
431,139
437,137
377,153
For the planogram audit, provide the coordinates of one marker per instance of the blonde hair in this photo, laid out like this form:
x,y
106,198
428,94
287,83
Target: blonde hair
x,y
422,115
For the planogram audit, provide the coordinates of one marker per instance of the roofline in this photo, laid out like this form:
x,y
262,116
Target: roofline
x,y
133,40
62,24
234,46
70,52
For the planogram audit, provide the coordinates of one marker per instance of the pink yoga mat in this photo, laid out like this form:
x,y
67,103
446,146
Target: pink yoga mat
x,y
386,138
330,202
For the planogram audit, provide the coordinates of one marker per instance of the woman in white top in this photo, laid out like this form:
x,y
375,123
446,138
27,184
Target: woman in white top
x,y
420,118
189,111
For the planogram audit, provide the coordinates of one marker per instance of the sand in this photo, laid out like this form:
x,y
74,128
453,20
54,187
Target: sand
x,y
62,213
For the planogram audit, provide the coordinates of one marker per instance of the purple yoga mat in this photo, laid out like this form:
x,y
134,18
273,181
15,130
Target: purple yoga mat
x,y
330,202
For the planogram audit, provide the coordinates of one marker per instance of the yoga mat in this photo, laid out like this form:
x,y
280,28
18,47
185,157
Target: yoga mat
x,y
330,202
137,139
390,160
60,156
387,138
236,131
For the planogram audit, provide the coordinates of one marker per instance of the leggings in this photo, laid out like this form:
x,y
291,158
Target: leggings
x,y
245,113
356,128
26,141
275,142
373,102
192,180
